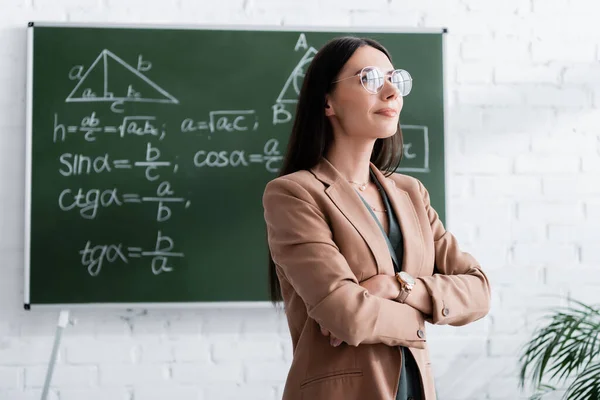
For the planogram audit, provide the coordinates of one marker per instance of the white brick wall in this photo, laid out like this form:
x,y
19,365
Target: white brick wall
x,y
10,378
524,157
67,376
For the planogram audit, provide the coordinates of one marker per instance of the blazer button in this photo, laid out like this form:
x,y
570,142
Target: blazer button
x,y
420,334
445,312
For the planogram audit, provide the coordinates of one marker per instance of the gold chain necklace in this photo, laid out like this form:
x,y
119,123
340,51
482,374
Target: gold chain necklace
x,y
361,185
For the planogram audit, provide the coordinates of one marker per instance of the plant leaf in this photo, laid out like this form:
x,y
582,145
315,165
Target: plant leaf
x,y
563,347
541,391
586,385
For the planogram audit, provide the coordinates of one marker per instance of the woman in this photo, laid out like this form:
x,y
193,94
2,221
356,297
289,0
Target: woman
x,y
358,256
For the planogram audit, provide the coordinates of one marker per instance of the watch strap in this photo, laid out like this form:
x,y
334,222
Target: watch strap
x,y
403,291
403,294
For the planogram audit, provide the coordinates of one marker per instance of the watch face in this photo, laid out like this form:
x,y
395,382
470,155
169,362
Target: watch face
x,y
407,278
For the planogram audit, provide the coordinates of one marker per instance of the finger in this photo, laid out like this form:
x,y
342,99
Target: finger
x,y
324,331
336,342
332,340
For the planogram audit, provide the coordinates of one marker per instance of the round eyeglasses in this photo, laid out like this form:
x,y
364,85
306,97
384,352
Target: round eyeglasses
x,y
372,79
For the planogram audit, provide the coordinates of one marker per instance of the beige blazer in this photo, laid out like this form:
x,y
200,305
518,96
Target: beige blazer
x,y
324,242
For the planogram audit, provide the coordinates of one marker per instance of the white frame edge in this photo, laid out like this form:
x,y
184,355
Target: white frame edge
x,y
28,158
159,306
284,28
446,125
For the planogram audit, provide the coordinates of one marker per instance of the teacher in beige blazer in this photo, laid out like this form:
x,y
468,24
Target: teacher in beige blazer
x,y
358,255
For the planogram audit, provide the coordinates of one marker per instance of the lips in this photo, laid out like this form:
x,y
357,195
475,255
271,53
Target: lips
x,y
388,112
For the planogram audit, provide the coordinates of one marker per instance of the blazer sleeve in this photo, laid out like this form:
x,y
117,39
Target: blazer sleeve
x,y
459,289
302,247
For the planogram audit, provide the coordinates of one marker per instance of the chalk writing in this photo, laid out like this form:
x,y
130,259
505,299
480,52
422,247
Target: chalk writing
x,y
89,90
239,158
93,257
89,202
155,164
136,125
223,121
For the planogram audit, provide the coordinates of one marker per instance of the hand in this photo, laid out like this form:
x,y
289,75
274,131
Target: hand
x,y
335,342
384,286
419,299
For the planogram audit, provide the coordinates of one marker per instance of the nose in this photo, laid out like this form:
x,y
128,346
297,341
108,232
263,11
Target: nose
x,y
389,91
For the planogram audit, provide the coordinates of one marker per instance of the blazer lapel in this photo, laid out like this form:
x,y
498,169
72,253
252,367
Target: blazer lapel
x,y
414,250
343,195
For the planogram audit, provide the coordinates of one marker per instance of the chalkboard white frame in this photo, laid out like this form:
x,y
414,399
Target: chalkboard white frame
x,y
29,133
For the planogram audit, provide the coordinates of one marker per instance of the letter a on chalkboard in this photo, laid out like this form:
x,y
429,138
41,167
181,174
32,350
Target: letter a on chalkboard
x,y
109,78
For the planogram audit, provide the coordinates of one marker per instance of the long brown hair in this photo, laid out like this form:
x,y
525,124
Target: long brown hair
x,y
312,132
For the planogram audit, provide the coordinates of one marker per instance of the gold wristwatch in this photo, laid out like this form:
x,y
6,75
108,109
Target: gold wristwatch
x,y
406,284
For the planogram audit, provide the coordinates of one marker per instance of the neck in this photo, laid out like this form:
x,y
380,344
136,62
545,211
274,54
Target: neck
x,y
351,158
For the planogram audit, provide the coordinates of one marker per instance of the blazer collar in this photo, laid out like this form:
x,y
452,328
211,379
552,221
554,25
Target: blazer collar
x,y
344,196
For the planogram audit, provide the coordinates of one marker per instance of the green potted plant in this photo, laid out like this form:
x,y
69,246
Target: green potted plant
x,y
564,352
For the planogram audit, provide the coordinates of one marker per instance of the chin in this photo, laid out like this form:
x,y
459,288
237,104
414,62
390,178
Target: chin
x,y
387,130
390,133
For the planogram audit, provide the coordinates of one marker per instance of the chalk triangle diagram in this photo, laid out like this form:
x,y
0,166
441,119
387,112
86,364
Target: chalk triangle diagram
x,y
291,89
109,78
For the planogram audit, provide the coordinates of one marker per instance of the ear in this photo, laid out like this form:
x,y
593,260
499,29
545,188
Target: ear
x,y
328,108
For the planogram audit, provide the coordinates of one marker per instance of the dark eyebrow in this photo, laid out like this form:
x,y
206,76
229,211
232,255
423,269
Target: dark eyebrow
x,y
387,72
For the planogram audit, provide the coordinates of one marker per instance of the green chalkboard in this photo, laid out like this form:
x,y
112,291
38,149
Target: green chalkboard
x,y
149,150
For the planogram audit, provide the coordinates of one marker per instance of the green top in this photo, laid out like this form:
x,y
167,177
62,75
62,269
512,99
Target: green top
x,y
409,387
